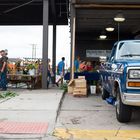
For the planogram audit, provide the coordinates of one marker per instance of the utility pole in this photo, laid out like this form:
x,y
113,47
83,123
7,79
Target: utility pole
x,y
33,51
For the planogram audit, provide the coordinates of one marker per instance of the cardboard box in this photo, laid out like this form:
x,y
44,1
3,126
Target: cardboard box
x,y
80,83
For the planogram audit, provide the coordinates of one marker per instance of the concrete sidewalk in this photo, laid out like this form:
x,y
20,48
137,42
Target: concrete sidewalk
x,y
32,106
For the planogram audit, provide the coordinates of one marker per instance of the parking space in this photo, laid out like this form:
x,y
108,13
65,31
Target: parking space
x,y
93,118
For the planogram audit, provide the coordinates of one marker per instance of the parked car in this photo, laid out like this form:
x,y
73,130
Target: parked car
x,y
120,78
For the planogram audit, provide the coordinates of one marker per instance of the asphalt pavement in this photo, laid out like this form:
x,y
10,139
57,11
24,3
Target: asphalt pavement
x,y
92,118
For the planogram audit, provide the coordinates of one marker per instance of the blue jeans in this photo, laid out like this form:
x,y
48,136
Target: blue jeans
x,y
3,80
49,78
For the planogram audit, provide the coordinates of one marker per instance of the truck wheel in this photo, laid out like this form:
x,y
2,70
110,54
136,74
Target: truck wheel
x,y
123,112
105,94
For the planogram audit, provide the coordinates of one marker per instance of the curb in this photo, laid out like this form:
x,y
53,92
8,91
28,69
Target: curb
x,y
59,106
4,100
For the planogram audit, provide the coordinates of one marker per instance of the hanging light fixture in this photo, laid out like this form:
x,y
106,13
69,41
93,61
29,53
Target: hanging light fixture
x,y
103,35
110,29
119,18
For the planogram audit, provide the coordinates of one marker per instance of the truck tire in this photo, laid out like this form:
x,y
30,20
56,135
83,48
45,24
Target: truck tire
x,y
105,94
123,112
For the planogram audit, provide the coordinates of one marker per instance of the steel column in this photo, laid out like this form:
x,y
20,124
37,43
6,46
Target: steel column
x,y
54,53
45,43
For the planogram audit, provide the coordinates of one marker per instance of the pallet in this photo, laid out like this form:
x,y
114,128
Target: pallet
x,y
80,95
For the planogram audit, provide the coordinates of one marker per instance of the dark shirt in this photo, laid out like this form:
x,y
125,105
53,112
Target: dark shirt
x,y
2,60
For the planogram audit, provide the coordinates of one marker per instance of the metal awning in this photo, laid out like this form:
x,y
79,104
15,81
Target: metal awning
x,y
30,12
93,16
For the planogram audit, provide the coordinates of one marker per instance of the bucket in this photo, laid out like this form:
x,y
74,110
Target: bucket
x,y
93,89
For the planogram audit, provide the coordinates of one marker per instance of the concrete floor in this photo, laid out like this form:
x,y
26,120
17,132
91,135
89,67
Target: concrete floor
x,y
79,118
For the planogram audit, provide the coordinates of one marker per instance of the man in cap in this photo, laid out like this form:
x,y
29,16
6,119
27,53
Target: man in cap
x,y
3,70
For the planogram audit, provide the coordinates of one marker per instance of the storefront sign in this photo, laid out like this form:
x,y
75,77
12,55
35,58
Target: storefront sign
x,y
97,53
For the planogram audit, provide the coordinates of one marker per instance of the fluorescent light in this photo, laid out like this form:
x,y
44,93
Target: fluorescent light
x,y
103,36
119,18
109,29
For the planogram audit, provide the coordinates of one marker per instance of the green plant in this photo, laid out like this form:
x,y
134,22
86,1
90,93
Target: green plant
x,y
8,94
64,87
31,66
94,82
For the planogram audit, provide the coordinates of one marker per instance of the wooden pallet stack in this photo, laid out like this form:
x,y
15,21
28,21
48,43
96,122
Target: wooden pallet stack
x,y
78,87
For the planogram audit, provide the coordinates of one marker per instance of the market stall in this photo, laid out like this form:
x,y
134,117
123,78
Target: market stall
x,y
25,72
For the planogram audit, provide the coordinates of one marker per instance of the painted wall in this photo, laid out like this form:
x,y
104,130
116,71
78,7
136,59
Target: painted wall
x,y
82,46
89,41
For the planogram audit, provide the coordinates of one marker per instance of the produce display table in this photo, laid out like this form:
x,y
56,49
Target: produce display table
x,y
29,80
88,75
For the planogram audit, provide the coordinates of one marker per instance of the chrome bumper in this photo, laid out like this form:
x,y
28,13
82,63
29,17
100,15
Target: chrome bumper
x,y
131,99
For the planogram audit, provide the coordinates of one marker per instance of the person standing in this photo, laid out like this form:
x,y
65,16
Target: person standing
x,y
3,70
76,64
61,71
49,79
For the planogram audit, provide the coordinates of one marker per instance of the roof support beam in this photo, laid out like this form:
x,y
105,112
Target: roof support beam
x,y
16,7
108,6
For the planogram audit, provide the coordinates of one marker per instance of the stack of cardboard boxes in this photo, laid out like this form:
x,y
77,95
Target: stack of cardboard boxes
x,y
78,86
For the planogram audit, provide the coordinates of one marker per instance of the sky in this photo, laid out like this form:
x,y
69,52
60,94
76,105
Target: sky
x,y
18,41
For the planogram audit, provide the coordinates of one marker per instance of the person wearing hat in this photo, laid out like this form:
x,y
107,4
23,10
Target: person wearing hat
x,y
3,70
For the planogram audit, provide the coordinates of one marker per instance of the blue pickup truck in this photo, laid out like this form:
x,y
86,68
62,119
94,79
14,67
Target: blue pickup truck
x,y
120,78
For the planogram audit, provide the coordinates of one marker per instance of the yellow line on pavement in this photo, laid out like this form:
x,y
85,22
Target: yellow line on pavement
x,y
97,134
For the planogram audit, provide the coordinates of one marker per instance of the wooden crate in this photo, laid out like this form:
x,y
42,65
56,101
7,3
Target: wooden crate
x,y
80,95
71,86
80,83
70,89
80,91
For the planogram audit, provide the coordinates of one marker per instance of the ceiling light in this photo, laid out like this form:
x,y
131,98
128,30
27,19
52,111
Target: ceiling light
x,y
109,29
103,36
119,17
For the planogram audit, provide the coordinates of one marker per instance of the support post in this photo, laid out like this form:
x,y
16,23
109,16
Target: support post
x,y
45,43
73,24
54,53
118,31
